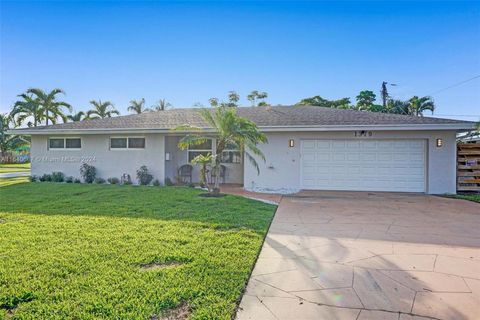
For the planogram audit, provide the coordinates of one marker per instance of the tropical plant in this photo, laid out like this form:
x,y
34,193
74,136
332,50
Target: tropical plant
x,y
204,161
143,176
49,104
6,140
318,101
27,108
113,180
365,100
75,117
417,106
255,95
229,130
138,106
397,106
101,110
161,105
88,172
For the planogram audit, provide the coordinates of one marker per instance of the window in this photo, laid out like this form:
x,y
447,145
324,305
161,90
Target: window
x,y
231,155
64,143
127,143
204,148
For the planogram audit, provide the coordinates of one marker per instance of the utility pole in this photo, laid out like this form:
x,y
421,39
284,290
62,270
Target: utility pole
x,y
384,93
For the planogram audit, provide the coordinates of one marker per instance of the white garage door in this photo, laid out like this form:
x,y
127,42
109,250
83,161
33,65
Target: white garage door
x,y
363,165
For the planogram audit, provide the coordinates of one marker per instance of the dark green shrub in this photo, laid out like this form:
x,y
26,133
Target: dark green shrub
x,y
76,180
58,176
168,182
100,180
33,178
156,183
69,179
126,179
46,178
88,172
127,182
113,180
191,185
144,178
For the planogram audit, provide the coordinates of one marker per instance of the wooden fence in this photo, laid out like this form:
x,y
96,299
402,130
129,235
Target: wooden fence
x,y
468,167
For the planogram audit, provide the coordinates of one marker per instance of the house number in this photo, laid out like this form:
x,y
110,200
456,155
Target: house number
x,y
363,133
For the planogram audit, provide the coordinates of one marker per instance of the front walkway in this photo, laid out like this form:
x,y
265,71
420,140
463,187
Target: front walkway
x,y
358,255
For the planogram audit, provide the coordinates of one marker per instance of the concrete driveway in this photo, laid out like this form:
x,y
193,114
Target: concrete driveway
x,y
359,255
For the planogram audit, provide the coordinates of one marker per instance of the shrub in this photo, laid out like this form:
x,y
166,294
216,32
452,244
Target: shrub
x,y
33,178
144,178
191,185
156,183
46,178
168,182
113,180
100,180
88,172
76,180
69,179
58,176
126,179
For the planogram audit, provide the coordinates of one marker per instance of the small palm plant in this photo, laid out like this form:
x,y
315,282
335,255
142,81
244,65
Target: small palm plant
x,y
417,106
101,110
229,130
205,161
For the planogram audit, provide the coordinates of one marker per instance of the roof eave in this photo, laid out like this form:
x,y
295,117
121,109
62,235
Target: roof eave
x,y
464,126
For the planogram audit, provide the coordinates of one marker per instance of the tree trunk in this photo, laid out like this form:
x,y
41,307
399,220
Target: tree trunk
x,y
47,116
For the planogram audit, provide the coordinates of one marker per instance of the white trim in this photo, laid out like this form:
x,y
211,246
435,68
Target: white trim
x,y
465,126
64,144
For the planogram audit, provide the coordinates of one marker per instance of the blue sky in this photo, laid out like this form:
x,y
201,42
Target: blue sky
x,y
188,52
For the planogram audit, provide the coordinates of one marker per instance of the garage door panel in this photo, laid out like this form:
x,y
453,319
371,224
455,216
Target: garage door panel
x,y
373,165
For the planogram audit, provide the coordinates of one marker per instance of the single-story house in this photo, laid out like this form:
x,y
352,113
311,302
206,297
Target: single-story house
x,y
308,148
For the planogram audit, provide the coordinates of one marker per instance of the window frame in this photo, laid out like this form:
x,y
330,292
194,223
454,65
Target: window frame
x,y
231,150
199,150
64,144
128,143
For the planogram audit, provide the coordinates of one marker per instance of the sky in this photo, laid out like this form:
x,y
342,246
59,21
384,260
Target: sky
x,y
188,52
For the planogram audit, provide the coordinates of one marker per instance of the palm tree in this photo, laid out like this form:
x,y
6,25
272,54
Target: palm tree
x,y
101,110
27,108
6,140
419,105
50,105
230,130
161,105
138,106
397,107
75,117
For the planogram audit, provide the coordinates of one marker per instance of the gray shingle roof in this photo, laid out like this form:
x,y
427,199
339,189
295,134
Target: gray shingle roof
x,y
283,116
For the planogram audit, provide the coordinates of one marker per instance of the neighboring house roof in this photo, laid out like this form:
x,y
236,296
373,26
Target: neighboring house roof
x,y
281,118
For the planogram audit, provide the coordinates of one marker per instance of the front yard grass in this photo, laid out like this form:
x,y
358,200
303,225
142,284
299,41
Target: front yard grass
x,y
79,251
471,197
14,167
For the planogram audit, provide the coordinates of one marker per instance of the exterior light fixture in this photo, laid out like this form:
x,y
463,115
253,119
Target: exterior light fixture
x,y
291,143
439,143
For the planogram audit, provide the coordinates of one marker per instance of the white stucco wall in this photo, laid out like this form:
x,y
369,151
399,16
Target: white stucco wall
x,y
281,171
95,151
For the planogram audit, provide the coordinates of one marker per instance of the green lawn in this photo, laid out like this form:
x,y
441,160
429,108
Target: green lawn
x,y
471,197
15,167
76,251
10,181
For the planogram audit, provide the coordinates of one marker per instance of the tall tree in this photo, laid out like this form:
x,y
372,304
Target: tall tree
x,y
318,101
229,130
52,107
365,100
75,117
161,105
25,109
417,106
6,140
255,95
138,106
101,110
